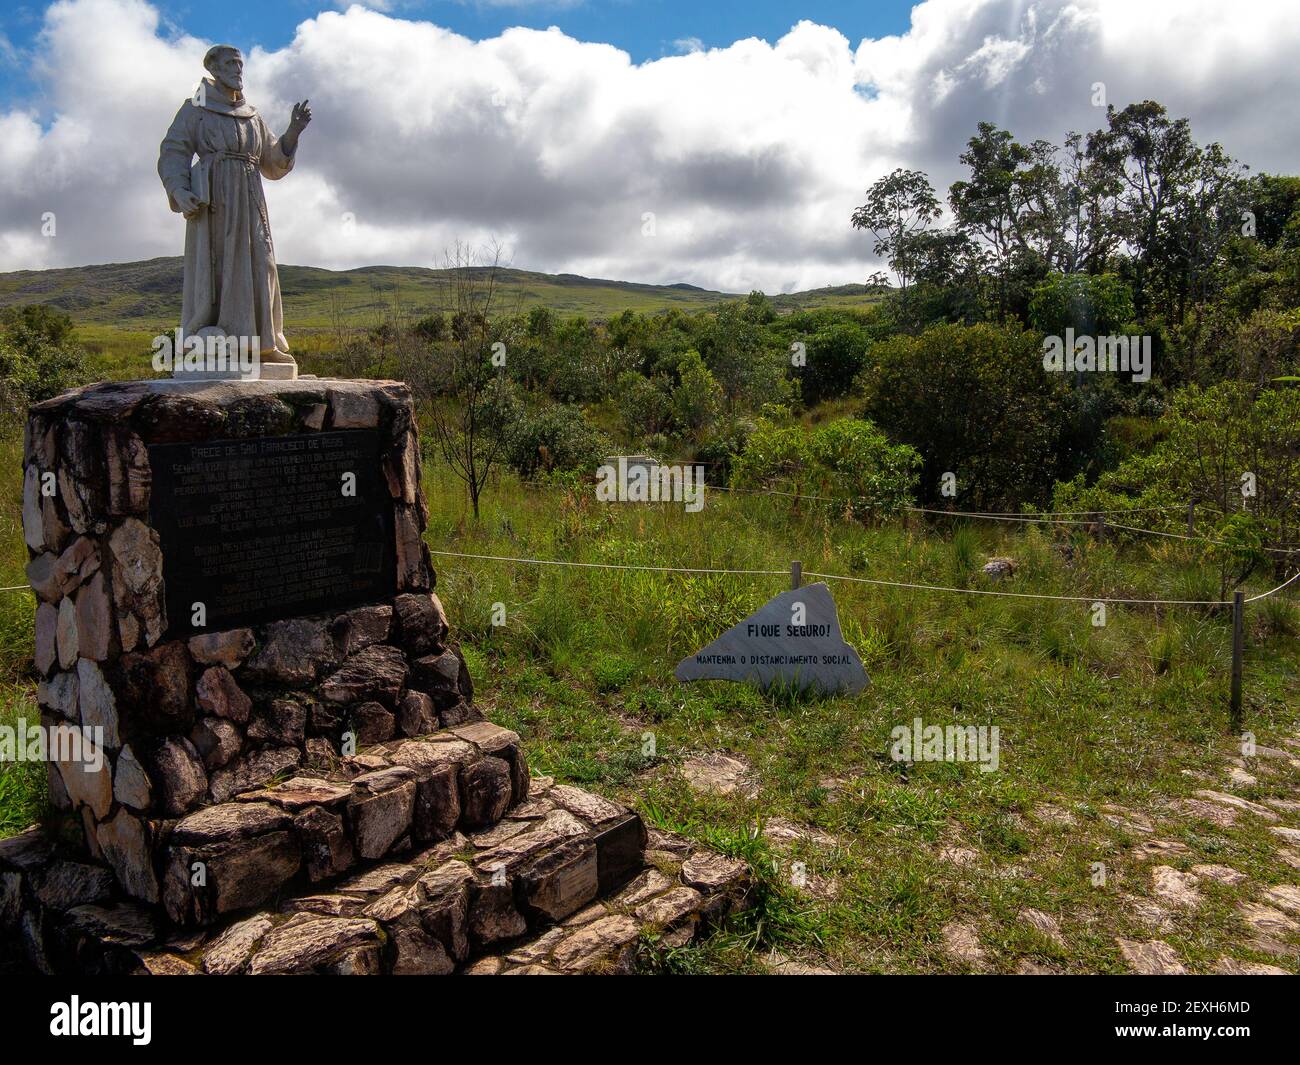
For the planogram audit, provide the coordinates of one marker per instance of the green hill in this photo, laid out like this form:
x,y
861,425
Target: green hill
x,y
146,295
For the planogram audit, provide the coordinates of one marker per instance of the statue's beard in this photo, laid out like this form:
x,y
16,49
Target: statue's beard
x,y
234,86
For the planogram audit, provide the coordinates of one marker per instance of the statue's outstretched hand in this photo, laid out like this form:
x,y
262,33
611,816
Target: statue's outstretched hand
x,y
300,117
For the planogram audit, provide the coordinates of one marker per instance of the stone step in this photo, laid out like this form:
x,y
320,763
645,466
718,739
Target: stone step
x,y
563,883
396,798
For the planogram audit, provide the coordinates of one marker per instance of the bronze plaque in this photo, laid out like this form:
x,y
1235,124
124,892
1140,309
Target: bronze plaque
x,y
272,527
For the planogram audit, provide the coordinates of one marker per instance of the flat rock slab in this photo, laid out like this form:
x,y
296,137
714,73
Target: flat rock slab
x,y
1284,897
1043,923
1127,820
719,774
780,965
1174,887
793,639
1223,874
1159,848
781,831
1238,803
1156,958
961,943
1233,967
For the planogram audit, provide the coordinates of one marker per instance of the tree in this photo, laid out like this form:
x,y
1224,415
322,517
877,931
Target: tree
x,y
697,399
470,421
898,206
740,356
1012,204
1149,158
976,402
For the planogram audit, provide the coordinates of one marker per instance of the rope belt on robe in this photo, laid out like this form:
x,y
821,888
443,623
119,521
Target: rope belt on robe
x,y
200,178
201,187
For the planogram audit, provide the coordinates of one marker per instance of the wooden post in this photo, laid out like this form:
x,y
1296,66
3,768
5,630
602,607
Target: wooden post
x,y
796,575
1238,650
1191,518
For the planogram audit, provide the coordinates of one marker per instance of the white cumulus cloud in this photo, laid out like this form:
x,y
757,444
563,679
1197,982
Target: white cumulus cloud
x,y
750,157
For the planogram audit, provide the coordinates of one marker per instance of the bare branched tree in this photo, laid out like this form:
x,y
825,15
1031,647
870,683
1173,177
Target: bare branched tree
x,y
470,414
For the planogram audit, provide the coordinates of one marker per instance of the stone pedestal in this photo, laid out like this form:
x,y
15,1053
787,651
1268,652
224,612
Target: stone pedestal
x,y
263,788
163,713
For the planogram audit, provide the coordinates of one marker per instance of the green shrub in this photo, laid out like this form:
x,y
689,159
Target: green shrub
x,y
975,401
555,437
39,357
848,464
1091,304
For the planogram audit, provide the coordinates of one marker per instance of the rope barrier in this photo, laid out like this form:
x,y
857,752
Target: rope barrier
x,y
615,565
1274,591
843,577
1046,517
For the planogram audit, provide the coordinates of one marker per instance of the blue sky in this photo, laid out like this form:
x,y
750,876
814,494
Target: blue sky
x,y
645,29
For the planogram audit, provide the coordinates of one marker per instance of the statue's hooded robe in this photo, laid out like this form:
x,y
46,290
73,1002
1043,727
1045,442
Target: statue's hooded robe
x,y
230,277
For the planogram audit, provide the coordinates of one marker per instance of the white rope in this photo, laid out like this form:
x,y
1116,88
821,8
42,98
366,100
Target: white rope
x,y
836,577
1274,591
1016,515
16,588
1022,595
613,565
1045,517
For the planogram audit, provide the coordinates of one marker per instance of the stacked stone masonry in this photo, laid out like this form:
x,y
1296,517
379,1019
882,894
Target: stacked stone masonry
x,y
532,895
176,724
312,794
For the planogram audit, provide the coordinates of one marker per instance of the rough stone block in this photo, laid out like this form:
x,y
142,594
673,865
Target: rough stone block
x,y
561,881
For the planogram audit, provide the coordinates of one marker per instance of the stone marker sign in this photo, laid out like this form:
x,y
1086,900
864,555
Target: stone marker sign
x,y
794,638
272,527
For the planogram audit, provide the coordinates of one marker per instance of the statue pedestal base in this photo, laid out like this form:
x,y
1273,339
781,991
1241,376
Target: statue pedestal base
x,y
279,371
266,371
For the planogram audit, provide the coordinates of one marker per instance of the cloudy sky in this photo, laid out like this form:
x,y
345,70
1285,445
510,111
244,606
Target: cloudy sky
x,y
749,133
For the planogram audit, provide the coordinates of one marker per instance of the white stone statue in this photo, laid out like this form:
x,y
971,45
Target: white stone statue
x,y
232,289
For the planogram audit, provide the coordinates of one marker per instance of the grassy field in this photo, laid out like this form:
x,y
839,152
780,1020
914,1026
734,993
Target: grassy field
x,y
1112,725
1106,732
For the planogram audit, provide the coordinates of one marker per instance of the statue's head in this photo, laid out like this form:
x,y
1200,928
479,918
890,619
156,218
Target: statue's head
x,y
226,65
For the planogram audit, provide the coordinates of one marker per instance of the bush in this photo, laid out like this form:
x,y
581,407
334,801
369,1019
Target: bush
x,y
1211,438
835,356
432,328
697,399
974,401
38,356
719,452
644,406
555,437
849,464
1090,304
